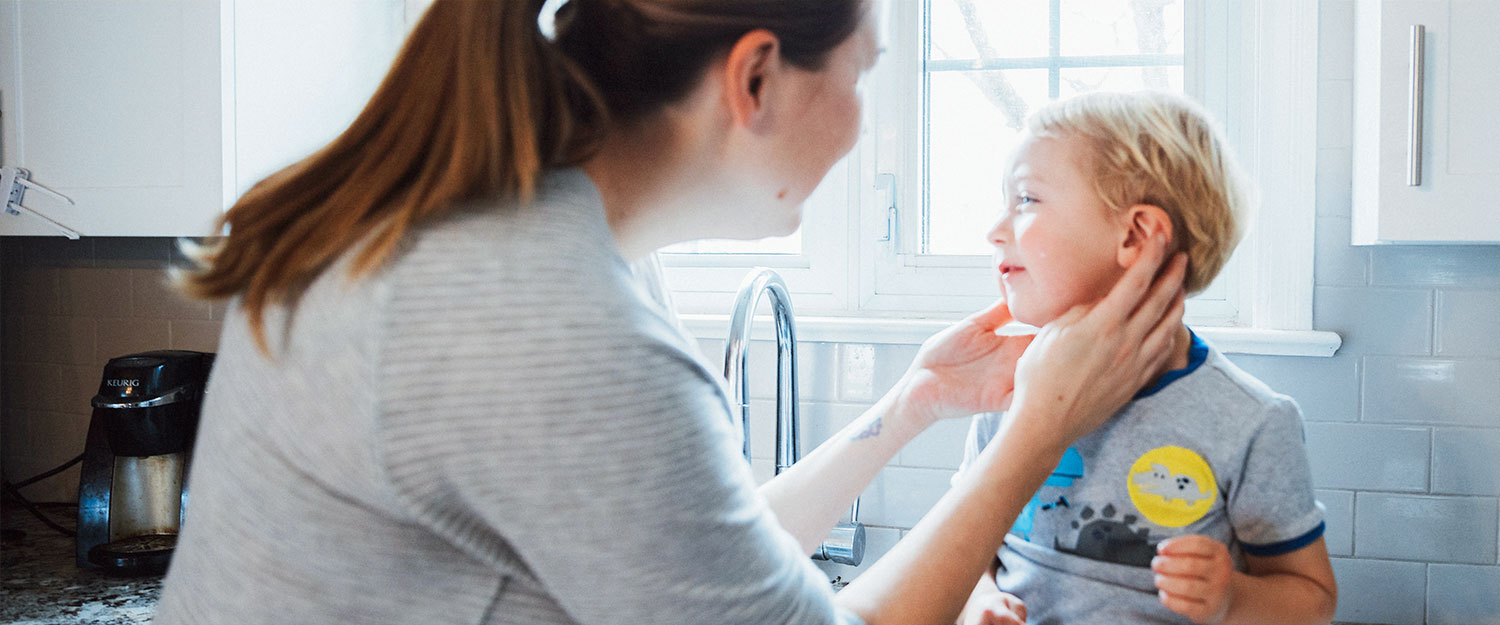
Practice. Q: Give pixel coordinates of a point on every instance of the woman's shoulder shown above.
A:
(499, 270)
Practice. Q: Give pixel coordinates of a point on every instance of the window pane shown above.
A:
(991, 62)
(972, 29)
(1085, 79)
(972, 123)
(1107, 27)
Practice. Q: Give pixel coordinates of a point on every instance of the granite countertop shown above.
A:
(41, 583)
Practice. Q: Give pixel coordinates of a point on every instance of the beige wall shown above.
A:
(68, 307)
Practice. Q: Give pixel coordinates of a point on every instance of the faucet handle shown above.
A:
(844, 545)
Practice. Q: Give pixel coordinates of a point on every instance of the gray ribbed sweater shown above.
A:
(497, 427)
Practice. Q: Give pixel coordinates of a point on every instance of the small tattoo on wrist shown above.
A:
(870, 431)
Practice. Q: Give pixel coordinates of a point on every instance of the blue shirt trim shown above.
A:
(1285, 546)
(1197, 353)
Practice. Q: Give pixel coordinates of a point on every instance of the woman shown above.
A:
(440, 396)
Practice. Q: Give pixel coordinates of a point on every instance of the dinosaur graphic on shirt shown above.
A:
(1160, 481)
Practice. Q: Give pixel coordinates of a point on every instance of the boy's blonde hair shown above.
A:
(1159, 149)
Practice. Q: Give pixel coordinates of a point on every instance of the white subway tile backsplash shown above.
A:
(1336, 40)
(1336, 262)
(900, 496)
(1338, 516)
(1376, 321)
(941, 446)
(1335, 191)
(1426, 528)
(1380, 591)
(1432, 390)
(1461, 594)
(819, 421)
(1326, 389)
(1368, 457)
(1468, 323)
(1462, 266)
(1466, 461)
(891, 362)
(1335, 113)
(816, 369)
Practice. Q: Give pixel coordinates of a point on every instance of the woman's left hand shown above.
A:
(965, 369)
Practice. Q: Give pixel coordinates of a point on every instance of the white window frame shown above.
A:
(850, 285)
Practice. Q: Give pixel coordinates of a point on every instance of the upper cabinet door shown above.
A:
(116, 105)
(1426, 173)
(303, 71)
(153, 116)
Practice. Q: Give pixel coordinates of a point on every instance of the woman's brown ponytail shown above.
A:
(477, 103)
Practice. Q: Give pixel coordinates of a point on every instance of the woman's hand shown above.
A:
(1085, 365)
(963, 370)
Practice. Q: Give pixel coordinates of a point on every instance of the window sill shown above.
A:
(890, 331)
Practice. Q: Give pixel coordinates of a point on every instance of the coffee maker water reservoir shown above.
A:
(132, 492)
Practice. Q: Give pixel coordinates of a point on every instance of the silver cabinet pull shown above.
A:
(1414, 122)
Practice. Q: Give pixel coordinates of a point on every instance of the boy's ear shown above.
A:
(1141, 222)
(748, 70)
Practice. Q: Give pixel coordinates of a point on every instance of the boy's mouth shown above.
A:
(1007, 269)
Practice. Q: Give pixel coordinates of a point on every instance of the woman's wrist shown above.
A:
(1038, 423)
(910, 407)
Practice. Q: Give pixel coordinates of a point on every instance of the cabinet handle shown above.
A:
(1414, 122)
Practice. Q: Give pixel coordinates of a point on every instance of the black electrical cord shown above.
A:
(14, 491)
(10, 489)
(32, 480)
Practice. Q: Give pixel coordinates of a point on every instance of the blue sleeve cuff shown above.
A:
(1285, 546)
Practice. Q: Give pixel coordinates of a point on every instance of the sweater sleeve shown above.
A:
(579, 445)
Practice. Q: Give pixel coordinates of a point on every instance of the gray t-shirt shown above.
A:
(1207, 450)
(498, 426)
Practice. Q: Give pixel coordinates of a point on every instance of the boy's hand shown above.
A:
(994, 608)
(1192, 577)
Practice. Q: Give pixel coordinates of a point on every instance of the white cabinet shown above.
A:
(154, 115)
(1428, 173)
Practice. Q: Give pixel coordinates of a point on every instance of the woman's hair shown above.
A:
(1160, 149)
(479, 104)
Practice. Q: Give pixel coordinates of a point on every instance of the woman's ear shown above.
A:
(1141, 222)
(747, 72)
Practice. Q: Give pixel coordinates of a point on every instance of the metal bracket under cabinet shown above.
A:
(14, 181)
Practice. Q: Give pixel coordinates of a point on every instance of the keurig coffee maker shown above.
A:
(132, 492)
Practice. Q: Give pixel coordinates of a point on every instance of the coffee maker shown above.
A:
(133, 487)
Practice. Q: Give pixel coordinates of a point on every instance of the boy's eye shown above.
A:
(1023, 200)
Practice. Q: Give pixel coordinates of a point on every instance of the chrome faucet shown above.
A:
(846, 545)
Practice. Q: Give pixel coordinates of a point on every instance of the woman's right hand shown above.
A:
(1086, 364)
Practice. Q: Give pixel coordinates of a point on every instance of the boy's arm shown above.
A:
(1004, 607)
(1196, 578)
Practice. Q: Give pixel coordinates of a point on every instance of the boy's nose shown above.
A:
(1000, 232)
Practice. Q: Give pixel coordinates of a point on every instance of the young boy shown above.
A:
(1194, 502)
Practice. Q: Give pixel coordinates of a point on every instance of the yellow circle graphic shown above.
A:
(1172, 486)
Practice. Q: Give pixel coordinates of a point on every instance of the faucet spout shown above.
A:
(847, 543)
(762, 280)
